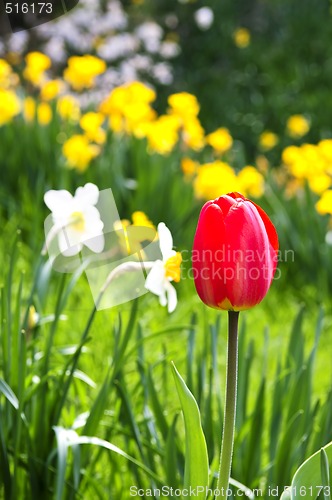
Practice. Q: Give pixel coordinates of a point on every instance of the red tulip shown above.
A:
(235, 253)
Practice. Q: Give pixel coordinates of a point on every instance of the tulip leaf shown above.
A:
(196, 459)
(312, 478)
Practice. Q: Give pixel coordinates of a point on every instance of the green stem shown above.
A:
(230, 405)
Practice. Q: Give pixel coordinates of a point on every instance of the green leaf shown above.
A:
(196, 460)
(312, 476)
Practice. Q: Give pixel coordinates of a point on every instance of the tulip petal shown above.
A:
(249, 265)
(207, 256)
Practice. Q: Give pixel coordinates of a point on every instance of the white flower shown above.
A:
(164, 271)
(204, 18)
(76, 219)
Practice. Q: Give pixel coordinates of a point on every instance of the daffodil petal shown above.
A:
(55, 200)
(88, 194)
(155, 281)
(69, 243)
(165, 241)
(172, 299)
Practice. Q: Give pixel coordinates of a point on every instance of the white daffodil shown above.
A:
(76, 219)
(164, 271)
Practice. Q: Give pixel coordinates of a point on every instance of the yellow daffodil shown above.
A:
(251, 182)
(68, 108)
(184, 105)
(91, 123)
(268, 140)
(129, 108)
(220, 140)
(241, 37)
(79, 152)
(297, 126)
(9, 106)
(189, 167)
(36, 65)
(193, 134)
(82, 71)
(29, 109)
(163, 134)
(51, 89)
(324, 205)
(44, 113)
(214, 179)
(6, 75)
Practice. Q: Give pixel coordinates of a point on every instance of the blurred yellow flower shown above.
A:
(44, 113)
(141, 219)
(163, 134)
(91, 123)
(51, 89)
(251, 182)
(131, 240)
(297, 126)
(184, 105)
(324, 205)
(9, 106)
(319, 183)
(6, 74)
(68, 108)
(268, 140)
(79, 152)
(193, 134)
(29, 109)
(215, 179)
(325, 148)
(221, 140)
(129, 108)
(241, 37)
(189, 167)
(36, 65)
(82, 71)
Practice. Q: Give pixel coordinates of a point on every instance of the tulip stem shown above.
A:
(230, 405)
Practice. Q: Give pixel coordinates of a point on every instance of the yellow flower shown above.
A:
(297, 126)
(29, 109)
(163, 134)
(51, 89)
(6, 74)
(189, 167)
(9, 106)
(184, 105)
(91, 123)
(79, 152)
(36, 65)
(68, 108)
(324, 205)
(83, 70)
(141, 219)
(241, 37)
(215, 179)
(268, 140)
(325, 148)
(319, 183)
(193, 134)
(251, 182)
(131, 239)
(129, 109)
(221, 140)
(44, 113)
